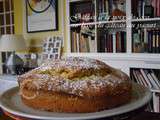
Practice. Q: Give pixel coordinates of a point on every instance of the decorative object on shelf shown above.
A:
(52, 48)
(118, 12)
(41, 15)
(12, 43)
(148, 9)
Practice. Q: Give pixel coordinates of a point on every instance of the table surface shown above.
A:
(7, 82)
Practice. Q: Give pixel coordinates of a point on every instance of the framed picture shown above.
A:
(41, 15)
(52, 48)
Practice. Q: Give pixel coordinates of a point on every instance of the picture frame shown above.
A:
(41, 15)
(52, 48)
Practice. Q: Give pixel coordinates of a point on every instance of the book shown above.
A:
(73, 43)
(140, 78)
(136, 42)
(150, 34)
(92, 44)
(159, 41)
(83, 45)
(106, 7)
(140, 8)
(154, 3)
(146, 78)
(77, 42)
(152, 81)
(156, 102)
(154, 42)
(155, 78)
(136, 78)
(123, 41)
(114, 42)
(145, 40)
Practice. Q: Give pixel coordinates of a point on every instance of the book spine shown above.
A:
(107, 7)
(91, 44)
(158, 8)
(159, 41)
(140, 79)
(153, 2)
(77, 41)
(122, 41)
(155, 78)
(155, 102)
(73, 44)
(106, 45)
(103, 6)
(145, 40)
(110, 6)
(114, 42)
(110, 43)
(125, 42)
(146, 78)
(150, 41)
(136, 78)
(139, 9)
(102, 43)
(142, 8)
(155, 86)
(117, 42)
(154, 42)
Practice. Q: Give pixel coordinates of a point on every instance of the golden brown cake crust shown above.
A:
(84, 78)
(59, 102)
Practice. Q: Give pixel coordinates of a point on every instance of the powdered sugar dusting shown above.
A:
(80, 87)
(72, 62)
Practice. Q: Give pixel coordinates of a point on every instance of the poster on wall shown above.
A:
(41, 15)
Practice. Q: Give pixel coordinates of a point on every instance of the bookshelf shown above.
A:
(128, 59)
(121, 60)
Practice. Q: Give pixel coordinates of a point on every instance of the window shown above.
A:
(6, 26)
(6, 17)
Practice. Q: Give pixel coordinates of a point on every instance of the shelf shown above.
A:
(78, 0)
(114, 21)
(99, 22)
(146, 19)
(82, 24)
(155, 91)
(122, 56)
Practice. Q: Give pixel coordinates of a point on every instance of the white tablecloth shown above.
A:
(7, 82)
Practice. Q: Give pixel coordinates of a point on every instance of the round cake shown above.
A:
(74, 84)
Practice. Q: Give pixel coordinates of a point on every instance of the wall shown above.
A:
(34, 40)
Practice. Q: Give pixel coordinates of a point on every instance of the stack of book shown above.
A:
(83, 40)
(146, 40)
(146, 8)
(114, 42)
(148, 78)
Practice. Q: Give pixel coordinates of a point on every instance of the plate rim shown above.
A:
(93, 115)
